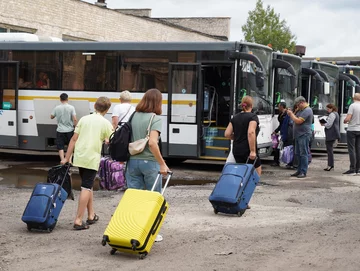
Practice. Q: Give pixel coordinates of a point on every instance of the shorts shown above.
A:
(87, 177)
(63, 139)
(243, 159)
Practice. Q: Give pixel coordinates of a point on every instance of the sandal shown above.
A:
(83, 226)
(93, 221)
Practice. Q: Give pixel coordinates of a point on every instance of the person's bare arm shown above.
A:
(252, 139)
(115, 121)
(70, 148)
(154, 148)
(229, 132)
(74, 120)
(347, 118)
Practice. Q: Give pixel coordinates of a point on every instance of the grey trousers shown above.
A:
(330, 152)
(353, 144)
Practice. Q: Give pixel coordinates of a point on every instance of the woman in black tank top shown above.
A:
(243, 130)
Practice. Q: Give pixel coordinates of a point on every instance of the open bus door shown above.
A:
(9, 74)
(183, 139)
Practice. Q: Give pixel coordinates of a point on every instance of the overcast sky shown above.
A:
(325, 27)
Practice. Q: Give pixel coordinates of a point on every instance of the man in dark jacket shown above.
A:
(281, 117)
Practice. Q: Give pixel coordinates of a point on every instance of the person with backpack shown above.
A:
(122, 111)
(143, 168)
(89, 134)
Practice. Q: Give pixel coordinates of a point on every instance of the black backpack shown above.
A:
(119, 141)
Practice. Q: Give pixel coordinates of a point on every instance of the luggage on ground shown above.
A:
(111, 174)
(137, 220)
(60, 175)
(234, 189)
(45, 204)
(287, 155)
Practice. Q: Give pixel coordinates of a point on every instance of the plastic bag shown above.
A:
(287, 154)
(275, 141)
(57, 174)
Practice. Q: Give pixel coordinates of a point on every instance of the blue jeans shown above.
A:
(302, 152)
(141, 174)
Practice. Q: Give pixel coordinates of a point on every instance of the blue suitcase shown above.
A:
(234, 189)
(44, 207)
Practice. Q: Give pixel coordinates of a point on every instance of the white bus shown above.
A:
(286, 81)
(319, 87)
(201, 83)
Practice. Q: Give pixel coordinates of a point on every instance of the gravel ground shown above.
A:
(293, 224)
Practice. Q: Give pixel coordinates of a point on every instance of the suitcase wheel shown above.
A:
(28, 227)
(143, 255)
(241, 212)
(215, 211)
(49, 230)
(112, 252)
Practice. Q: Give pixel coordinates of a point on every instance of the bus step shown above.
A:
(214, 151)
(213, 158)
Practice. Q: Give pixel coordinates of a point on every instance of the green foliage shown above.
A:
(264, 26)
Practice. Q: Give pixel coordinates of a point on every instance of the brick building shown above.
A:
(78, 20)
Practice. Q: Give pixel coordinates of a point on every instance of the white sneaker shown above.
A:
(158, 238)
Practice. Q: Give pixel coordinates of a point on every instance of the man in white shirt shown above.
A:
(353, 135)
(123, 111)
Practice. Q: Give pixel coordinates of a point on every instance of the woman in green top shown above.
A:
(143, 168)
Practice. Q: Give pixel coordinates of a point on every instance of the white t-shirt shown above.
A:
(354, 110)
(123, 111)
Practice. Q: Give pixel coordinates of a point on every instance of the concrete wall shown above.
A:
(136, 12)
(87, 21)
(219, 26)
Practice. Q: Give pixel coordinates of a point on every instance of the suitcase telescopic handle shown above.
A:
(68, 166)
(253, 169)
(159, 177)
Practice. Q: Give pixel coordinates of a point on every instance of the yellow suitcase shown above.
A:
(137, 220)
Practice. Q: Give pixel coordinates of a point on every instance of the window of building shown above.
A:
(15, 29)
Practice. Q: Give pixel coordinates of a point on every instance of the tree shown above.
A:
(264, 26)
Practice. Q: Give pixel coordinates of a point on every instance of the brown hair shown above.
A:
(151, 102)
(102, 104)
(332, 107)
(246, 102)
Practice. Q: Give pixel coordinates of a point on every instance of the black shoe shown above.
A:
(275, 164)
(295, 174)
(350, 172)
(329, 168)
(301, 176)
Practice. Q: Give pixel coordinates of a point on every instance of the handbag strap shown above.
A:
(125, 114)
(148, 128)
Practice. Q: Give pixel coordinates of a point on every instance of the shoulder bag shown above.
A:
(139, 145)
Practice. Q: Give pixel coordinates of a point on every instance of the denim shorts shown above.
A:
(141, 174)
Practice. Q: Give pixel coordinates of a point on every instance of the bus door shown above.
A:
(9, 74)
(183, 122)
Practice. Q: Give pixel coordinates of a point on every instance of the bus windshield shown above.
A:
(261, 96)
(318, 99)
(282, 84)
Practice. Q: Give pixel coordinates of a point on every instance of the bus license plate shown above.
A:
(262, 150)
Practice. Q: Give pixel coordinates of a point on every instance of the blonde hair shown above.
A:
(125, 96)
(246, 103)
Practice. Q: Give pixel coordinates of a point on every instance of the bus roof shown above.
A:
(127, 46)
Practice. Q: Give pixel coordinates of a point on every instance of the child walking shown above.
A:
(89, 134)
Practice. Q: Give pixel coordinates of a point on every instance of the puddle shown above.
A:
(20, 176)
(28, 178)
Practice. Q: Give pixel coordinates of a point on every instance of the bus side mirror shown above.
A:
(319, 86)
(292, 83)
(357, 89)
(259, 77)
